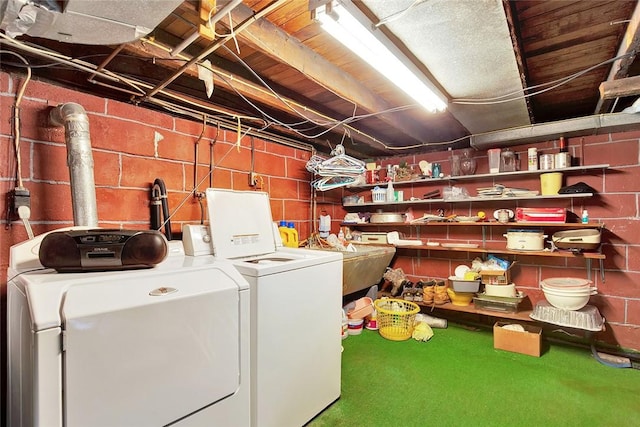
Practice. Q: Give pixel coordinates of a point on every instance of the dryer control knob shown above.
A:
(196, 240)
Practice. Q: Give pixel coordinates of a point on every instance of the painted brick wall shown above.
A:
(131, 148)
(616, 206)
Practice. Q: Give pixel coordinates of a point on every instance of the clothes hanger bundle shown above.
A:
(337, 171)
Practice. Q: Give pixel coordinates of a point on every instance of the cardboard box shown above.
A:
(497, 277)
(527, 342)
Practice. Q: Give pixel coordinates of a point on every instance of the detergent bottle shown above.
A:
(293, 236)
(284, 232)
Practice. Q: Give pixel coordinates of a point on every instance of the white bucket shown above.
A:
(355, 326)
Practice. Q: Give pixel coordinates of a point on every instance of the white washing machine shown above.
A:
(162, 346)
(296, 299)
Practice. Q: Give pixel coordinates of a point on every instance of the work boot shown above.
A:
(428, 292)
(440, 293)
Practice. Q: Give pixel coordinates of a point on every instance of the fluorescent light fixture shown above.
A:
(348, 30)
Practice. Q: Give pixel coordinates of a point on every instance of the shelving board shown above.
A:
(520, 315)
(485, 250)
(469, 199)
(475, 224)
(492, 176)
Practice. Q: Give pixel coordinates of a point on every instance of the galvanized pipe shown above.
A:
(79, 160)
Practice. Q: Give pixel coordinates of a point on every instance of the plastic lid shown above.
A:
(282, 224)
(290, 225)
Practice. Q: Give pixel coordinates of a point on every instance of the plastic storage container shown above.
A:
(379, 195)
(461, 285)
(587, 318)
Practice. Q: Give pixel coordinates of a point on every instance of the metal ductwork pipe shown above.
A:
(80, 161)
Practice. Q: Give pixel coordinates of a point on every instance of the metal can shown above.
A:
(562, 160)
(532, 159)
(546, 162)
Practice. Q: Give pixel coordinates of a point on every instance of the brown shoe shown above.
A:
(440, 293)
(428, 292)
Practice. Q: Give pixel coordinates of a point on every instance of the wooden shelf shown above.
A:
(471, 308)
(520, 315)
(476, 224)
(482, 250)
(468, 200)
(486, 176)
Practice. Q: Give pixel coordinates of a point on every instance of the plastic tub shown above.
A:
(550, 183)
(461, 285)
(508, 291)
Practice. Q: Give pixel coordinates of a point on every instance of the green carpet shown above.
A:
(458, 379)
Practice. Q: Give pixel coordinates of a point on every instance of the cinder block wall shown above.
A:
(617, 206)
(132, 146)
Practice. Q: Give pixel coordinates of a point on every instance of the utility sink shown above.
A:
(364, 268)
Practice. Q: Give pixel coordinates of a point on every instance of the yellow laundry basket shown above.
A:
(396, 318)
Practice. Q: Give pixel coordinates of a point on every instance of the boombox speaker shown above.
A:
(102, 250)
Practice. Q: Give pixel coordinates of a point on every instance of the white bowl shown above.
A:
(566, 283)
(570, 291)
(567, 301)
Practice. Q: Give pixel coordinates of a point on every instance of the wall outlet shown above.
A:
(253, 179)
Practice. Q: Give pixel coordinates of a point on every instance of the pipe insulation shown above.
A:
(79, 160)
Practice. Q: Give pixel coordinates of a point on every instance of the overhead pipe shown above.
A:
(581, 126)
(79, 160)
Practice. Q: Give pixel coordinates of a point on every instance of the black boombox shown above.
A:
(102, 249)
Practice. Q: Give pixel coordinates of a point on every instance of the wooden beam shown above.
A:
(618, 88)
(271, 40)
(620, 68)
(232, 83)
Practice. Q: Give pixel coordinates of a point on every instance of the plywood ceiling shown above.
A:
(282, 73)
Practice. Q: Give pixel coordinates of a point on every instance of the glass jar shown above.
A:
(455, 164)
(467, 163)
(507, 161)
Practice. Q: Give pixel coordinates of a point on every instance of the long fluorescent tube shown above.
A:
(349, 31)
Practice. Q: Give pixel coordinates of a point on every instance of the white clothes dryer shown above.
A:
(155, 347)
(296, 299)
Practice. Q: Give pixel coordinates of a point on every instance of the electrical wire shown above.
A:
(28, 271)
(190, 193)
(329, 125)
(552, 85)
(397, 15)
(16, 115)
(332, 124)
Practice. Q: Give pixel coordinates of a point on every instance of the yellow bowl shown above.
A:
(460, 298)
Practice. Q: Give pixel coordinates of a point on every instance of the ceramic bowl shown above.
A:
(460, 298)
(574, 300)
